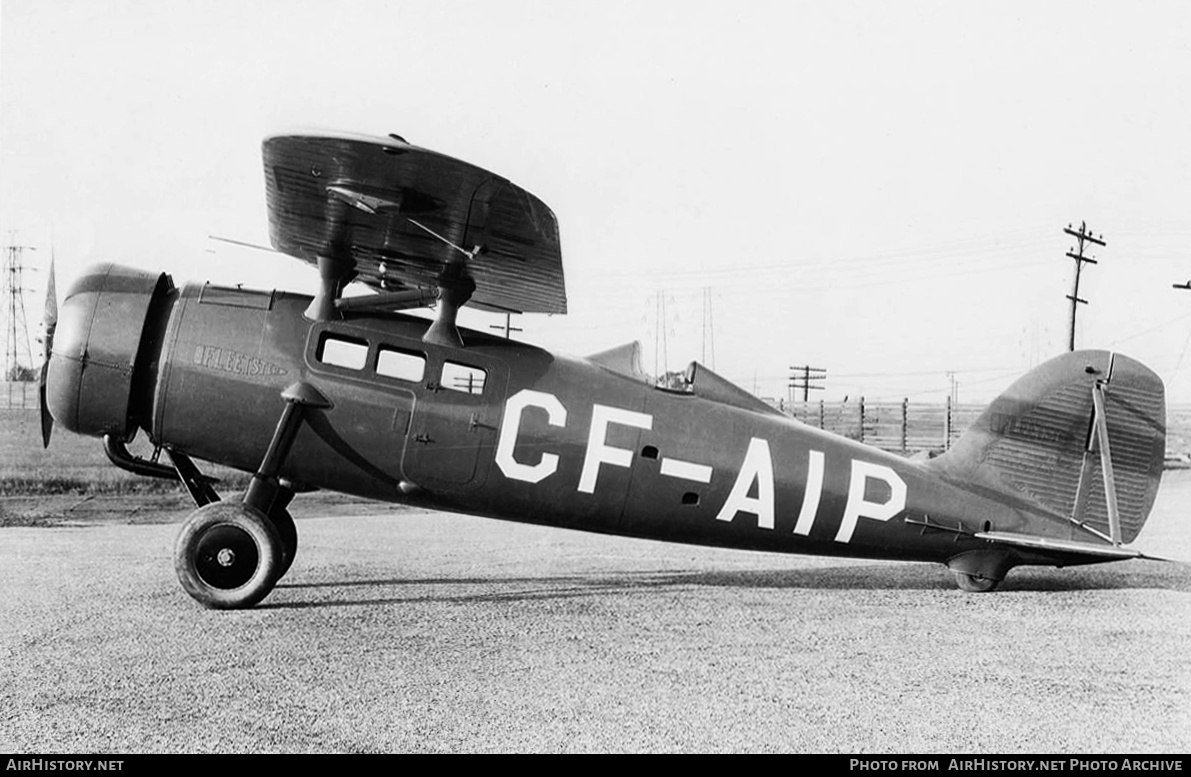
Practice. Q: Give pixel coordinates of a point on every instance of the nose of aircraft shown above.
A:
(99, 380)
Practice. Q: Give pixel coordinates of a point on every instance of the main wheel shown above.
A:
(286, 530)
(228, 555)
(974, 583)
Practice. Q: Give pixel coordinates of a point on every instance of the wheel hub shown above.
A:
(226, 557)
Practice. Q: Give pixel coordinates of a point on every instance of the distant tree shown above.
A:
(19, 373)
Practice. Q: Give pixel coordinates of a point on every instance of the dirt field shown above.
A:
(431, 632)
(402, 631)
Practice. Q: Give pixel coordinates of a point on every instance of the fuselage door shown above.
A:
(452, 436)
(372, 383)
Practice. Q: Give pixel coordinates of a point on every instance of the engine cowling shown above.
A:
(106, 348)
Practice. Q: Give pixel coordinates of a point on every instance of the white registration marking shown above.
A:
(814, 490)
(687, 470)
(599, 451)
(758, 468)
(858, 507)
(515, 407)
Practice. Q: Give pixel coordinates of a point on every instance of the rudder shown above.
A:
(1038, 440)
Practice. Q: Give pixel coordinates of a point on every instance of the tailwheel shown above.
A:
(975, 583)
(228, 555)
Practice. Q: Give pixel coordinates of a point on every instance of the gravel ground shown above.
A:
(429, 632)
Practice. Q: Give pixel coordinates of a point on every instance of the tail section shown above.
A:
(1043, 440)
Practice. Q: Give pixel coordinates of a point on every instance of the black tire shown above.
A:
(228, 555)
(286, 530)
(974, 583)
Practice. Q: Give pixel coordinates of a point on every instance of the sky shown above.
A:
(875, 189)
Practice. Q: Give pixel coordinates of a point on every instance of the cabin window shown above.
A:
(464, 378)
(402, 365)
(343, 352)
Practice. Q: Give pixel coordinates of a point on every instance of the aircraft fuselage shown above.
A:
(508, 430)
(341, 394)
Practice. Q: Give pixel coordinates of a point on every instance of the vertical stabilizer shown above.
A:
(1041, 440)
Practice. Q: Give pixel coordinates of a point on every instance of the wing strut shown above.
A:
(1098, 434)
(455, 288)
(333, 275)
(455, 285)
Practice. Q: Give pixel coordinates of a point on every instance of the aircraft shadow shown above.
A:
(911, 577)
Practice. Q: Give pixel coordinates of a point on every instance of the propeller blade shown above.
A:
(50, 318)
(47, 420)
(49, 323)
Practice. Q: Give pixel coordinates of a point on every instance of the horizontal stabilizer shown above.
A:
(1108, 552)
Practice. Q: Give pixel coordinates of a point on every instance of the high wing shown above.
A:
(397, 217)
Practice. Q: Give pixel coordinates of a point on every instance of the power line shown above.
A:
(1155, 327)
(968, 249)
(796, 284)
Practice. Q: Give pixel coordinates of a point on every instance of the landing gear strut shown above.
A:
(231, 553)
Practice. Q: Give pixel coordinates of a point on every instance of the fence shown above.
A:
(18, 394)
(894, 426)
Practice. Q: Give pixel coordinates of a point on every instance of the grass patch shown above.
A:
(57, 485)
(78, 465)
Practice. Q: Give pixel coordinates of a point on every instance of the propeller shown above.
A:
(49, 323)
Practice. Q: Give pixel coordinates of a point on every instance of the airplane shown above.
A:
(354, 395)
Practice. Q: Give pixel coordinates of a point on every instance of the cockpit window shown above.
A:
(678, 382)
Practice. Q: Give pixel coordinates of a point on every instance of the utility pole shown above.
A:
(1185, 287)
(1082, 236)
(708, 329)
(507, 327)
(659, 336)
(801, 377)
(16, 331)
